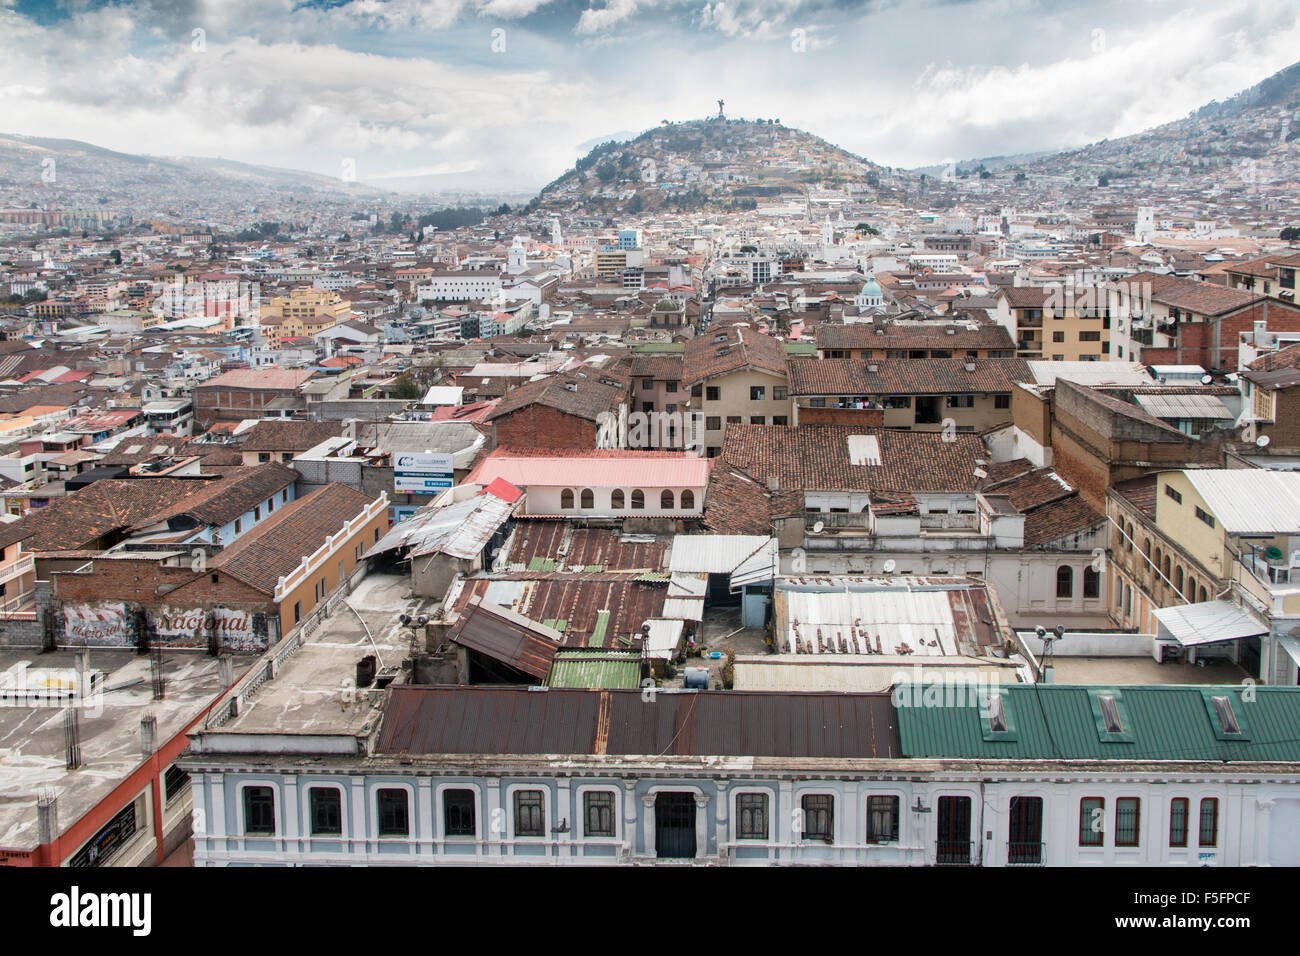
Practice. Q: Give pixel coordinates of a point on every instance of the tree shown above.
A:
(116, 256)
(406, 389)
(606, 171)
(1021, 177)
(635, 204)
(1103, 180)
(1290, 234)
(503, 209)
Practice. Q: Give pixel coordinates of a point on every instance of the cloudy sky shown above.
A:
(499, 94)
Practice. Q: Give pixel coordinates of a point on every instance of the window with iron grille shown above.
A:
(598, 813)
(259, 811)
(818, 816)
(175, 780)
(458, 813)
(1128, 814)
(1092, 821)
(326, 806)
(529, 814)
(752, 810)
(882, 819)
(394, 818)
(1210, 822)
(1178, 821)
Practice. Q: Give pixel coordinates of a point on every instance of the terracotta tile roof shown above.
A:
(259, 378)
(277, 544)
(1140, 493)
(812, 376)
(288, 436)
(235, 493)
(892, 335)
(1205, 298)
(581, 394)
(1070, 516)
(1283, 358)
(822, 458)
(101, 508)
(723, 349)
(660, 367)
(736, 503)
(1024, 296)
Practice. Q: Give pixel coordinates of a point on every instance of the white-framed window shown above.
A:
(529, 808)
(751, 813)
(601, 810)
(325, 810)
(458, 808)
(258, 808)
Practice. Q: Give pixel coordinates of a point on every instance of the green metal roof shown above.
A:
(607, 670)
(801, 348)
(597, 638)
(1060, 722)
(660, 347)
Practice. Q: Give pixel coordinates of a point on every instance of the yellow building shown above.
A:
(1047, 324)
(1211, 557)
(302, 312)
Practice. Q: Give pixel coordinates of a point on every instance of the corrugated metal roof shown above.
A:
(507, 720)
(608, 670)
(1250, 500)
(837, 615)
(461, 529)
(1183, 406)
(1209, 622)
(1089, 373)
(713, 553)
(804, 673)
(507, 637)
(1055, 721)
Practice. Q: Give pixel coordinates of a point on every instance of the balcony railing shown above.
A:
(1025, 854)
(954, 853)
(950, 522)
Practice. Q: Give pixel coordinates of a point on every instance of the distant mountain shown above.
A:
(711, 165)
(1252, 137)
(68, 171)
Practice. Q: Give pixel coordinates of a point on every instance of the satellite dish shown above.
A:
(1207, 379)
(818, 527)
(1262, 441)
(889, 566)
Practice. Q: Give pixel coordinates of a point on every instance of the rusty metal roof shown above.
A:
(510, 720)
(507, 637)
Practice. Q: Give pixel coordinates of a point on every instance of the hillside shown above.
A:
(73, 173)
(711, 165)
(1252, 137)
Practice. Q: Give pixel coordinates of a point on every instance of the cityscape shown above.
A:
(746, 488)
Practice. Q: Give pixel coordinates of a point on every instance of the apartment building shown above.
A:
(735, 375)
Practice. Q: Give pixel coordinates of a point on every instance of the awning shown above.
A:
(1292, 646)
(1209, 623)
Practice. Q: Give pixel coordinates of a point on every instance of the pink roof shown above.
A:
(73, 376)
(283, 378)
(667, 471)
(503, 490)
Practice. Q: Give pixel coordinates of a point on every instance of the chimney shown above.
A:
(47, 815)
(148, 735)
(1261, 326)
(226, 670)
(81, 659)
(773, 484)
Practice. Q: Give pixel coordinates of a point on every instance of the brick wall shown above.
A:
(1214, 344)
(864, 417)
(538, 426)
(1284, 431)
